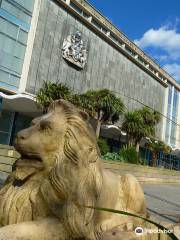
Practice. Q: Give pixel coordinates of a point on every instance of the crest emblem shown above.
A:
(74, 51)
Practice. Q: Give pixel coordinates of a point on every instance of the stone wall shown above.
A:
(7, 157)
(106, 67)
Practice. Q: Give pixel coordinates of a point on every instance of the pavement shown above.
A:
(163, 201)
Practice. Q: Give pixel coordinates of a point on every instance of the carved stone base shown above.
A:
(70, 59)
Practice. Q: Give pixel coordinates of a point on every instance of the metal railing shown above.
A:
(168, 161)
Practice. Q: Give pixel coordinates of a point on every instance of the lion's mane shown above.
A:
(76, 177)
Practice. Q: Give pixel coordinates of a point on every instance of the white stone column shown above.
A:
(171, 112)
(165, 111)
(30, 43)
(178, 122)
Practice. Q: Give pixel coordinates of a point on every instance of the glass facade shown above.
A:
(15, 19)
(10, 124)
(171, 126)
(6, 122)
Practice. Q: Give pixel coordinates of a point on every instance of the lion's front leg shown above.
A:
(46, 229)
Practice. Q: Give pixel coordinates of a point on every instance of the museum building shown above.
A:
(71, 42)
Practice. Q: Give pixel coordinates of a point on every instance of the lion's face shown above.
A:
(64, 127)
(44, 137)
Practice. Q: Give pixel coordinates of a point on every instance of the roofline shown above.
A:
(138, 56)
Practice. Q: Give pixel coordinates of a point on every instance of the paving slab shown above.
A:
(163, 201)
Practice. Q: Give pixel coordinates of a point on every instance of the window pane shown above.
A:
(6, 59)
(22, 37)
(3, 25)
(20, 123)
(25, 17)
(12, 30)
(4, 76)
(5, 121)
(14, 80)
(15, 11)
(19, 50)
(9, 45)
(4, 138)
(5, 126)
(17, 65)
(2, 37)
(10, 8)
(28, 4)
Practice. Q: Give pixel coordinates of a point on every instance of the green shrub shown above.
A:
(113, 157)
(103, 146)
(130, 155)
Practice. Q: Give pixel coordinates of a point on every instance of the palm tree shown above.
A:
(133, 126)
(156, 147)
(50, 92)
(139, 124)
(103, 105)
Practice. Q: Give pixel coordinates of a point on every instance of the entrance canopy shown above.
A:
(22, 103)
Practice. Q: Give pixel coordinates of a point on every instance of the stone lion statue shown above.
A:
(59, 174)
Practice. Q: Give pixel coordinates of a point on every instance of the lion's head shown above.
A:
(65, 142)
(51, 135)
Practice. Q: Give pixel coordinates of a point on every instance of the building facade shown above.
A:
(71, 42)
(15, 23)
(15, 28)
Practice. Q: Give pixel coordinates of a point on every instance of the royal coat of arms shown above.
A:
(74, 51)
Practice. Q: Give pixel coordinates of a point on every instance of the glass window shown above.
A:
(4, 76)
(75, 7)
(10, 8)
(26, 4)
(12, 47)
(21, 122)
(175, 100)
(3, 25)
(6, 59)
(19, 50)
(15, 11)
(4, 138)
(22, 37)
(5, 126)
(17, 65)
(2, 37)
(5, 119)
(86, 15)
(12, 30)
(95, 23)
(25, 17)
(9, 45)
(170, 94)
(11, 18)
(14, 80)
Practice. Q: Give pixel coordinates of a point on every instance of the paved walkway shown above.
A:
(163, 201)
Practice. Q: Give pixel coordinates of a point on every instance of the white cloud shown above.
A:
(164, 38)
(174, 70)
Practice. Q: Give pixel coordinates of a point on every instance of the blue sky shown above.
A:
(153, 25)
